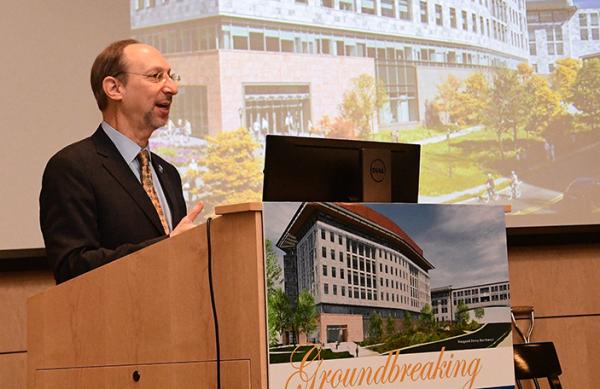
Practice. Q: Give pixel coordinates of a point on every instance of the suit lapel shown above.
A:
(116, 166)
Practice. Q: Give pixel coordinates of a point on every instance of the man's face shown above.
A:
(146, 101)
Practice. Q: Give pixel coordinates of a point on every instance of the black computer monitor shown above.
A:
(318, 169)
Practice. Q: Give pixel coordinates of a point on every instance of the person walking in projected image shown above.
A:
(490, 187)
(108, 195)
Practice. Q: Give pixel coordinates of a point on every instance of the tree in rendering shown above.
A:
(475, 98)
(279, 314)
(563, 77)
(426, 318)
(337, 127)
(448, 100)
(361, 103)
(506, 106)
(479, 313)
(543, 104)
(305, 313)
(233, 172)
(278, 306)
(407, 322)
(375, 326)
(390, 326)
(586, 93)
(462, 315)
(273, 269)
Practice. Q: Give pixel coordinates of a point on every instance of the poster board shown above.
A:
(387, 295)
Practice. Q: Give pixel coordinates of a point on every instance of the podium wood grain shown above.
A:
(151, 310)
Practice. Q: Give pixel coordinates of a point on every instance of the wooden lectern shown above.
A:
(145, 320)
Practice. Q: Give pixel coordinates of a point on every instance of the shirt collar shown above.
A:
(127, 148)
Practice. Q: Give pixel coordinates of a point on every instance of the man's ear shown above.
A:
(113, 88)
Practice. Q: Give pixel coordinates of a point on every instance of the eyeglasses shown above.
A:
(157, 77)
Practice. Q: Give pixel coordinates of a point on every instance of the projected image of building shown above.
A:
(281, 66)
(559, 29)
(354, 261)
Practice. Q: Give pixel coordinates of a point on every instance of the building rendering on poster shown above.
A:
(378, 295)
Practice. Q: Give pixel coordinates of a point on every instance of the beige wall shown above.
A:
(47, 50)
(15, 289)
(561, 283)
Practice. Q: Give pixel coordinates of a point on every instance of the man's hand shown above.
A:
(188, 221)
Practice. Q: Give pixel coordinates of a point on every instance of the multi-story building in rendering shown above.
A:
(284, 65)
(445, 300)
(558, 29)
(354, 261)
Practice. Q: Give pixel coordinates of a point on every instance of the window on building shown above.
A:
(452, 17)
(423, 10)
(327, 3)
(474, 22)
(340, 239)
(272, 44)
(404, 9)
(332, 253)
(341, 256)
(333, 272)
(240, 42)
(546, 16)
(326, 288)
(387, 8)
(368, 7)
(287, 45)
(346, 5)
(324, 252)
(583, 24)
(342, 274)
(439, 17)
(465, 21)
(343, 291)
(257, 41)
(331, 236)
(269, 107)
(325, 270)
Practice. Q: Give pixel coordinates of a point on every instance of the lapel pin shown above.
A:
(160, 168)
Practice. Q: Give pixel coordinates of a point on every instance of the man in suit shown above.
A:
(107, 196)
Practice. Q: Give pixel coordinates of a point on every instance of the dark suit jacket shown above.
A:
(93, 209)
